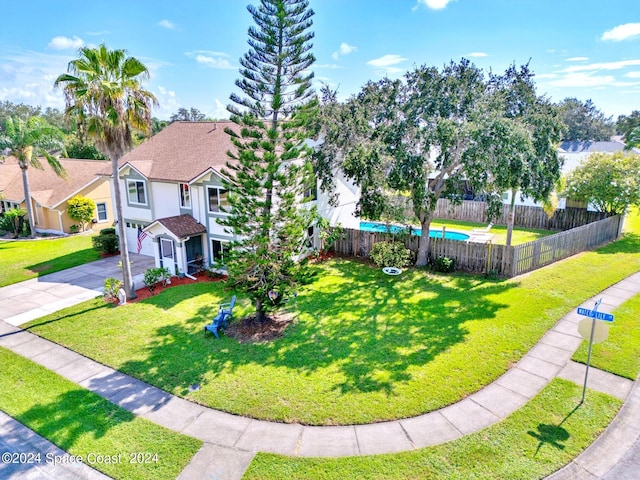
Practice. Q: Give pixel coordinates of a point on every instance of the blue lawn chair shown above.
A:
(220, 321)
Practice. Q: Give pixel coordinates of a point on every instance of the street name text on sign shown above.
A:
(607, 317)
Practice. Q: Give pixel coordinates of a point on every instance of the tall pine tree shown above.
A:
(267, 177)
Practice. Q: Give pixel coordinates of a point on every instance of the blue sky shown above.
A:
(588, 49)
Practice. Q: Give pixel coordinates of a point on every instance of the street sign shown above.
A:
(600, 330)
(607, 317)
(594, 332)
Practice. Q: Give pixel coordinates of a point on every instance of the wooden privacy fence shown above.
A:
(490, 258)
(525, 216)
(533, 255)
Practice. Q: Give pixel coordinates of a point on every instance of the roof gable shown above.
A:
(182, 151)
(591, 147)
(46, 187)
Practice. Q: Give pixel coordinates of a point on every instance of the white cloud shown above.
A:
(435, 4)
(167, 24)
(622, 32)
(332, 66)
(211, 59)
(98, 33)
(385, 65)
(633, 75)
(168, 102)
(602, 66)
(586, 80)
(477, 54)
(345, 49)
(386, 61)
(27, 77)
(219, 111)
(65, 43)
(577, 59)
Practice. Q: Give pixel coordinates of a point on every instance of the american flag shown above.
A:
(141, 236)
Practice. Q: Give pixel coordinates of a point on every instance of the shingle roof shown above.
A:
(182, 225)
(182, 151)
(46, 187)
(591, 147)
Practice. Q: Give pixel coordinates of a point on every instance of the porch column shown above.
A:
(181, 257)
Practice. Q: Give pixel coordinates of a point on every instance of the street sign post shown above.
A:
(602, 332)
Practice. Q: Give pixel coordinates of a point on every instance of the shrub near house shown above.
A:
(81, 209)
(106, 242)
(13, 221)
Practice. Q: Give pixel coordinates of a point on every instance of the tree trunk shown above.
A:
(261, 315)
(27, 199)
(127, 278)
(424, 242)
(512, 216)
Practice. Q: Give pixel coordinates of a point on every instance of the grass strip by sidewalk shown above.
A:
(620, 352)
(25, 259)
(535, 441)
(83, 423)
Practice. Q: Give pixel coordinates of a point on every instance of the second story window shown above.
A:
(218, 197)
(310, 192)
(136, 191)
(185, 195)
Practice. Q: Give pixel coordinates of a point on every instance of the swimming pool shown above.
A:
(433, 233)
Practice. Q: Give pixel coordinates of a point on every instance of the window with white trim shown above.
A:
(218, 198)
(218, 249)
(101, 208)
(185, 195)
(137, 193)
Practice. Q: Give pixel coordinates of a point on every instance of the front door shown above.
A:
(168, 255)
(193, 248)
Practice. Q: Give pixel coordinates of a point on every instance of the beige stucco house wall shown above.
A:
(50, 194)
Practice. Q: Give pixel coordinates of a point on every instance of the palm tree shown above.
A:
(102, 89)
(26, 141)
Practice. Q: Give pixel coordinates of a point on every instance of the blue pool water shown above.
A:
(433, 233)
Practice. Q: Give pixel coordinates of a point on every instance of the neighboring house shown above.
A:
(50, 193)
(572, 153)
(172, 195)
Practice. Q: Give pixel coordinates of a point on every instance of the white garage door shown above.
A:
(146, 243)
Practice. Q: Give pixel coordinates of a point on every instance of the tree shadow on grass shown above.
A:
(73, 415)
(629, 243)
(373, 330)
(552, 435)
(62, 262)
(57, 318)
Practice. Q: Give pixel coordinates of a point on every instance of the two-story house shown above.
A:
(173, 194)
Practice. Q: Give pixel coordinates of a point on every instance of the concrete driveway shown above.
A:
(25, 301)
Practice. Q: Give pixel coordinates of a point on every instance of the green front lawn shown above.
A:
(82, 423)
(25, 259)
(364, 347)
(532, 443)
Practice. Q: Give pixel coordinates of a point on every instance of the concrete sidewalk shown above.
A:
(231, 441)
